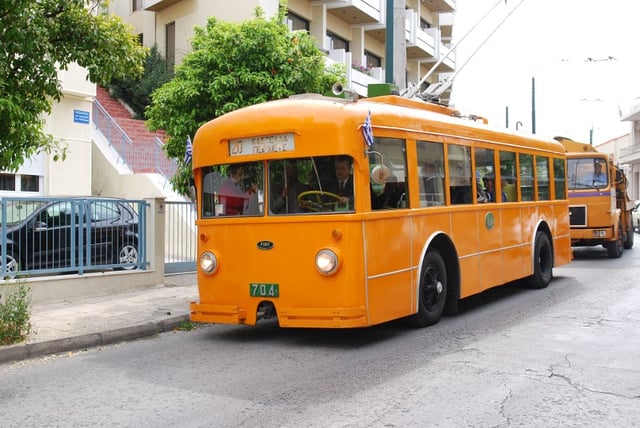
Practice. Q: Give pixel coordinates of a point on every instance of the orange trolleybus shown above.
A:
(326, 212)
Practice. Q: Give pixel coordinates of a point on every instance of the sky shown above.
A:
(583, 54)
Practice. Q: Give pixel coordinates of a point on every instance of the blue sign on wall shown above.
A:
(81, 116)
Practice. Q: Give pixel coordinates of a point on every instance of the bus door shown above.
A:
(388, 232)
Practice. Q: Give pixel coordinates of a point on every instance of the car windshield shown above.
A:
(18, 211)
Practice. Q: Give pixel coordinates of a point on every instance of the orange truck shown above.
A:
(599, 206)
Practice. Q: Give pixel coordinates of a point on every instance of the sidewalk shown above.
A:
(74, 325)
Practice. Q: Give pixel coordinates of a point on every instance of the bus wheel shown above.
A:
(433, 291)
(542, 262)
(616, 247)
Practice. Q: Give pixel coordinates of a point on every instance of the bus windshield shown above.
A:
(309, 185)
(587, 173)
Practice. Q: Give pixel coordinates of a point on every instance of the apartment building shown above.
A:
(69, 123)
(629, 153)
(351, 32)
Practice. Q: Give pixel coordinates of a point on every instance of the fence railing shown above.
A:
(180, 237)
(47, 235)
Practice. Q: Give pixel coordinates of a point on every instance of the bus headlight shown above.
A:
(327, 261)
(208, 262)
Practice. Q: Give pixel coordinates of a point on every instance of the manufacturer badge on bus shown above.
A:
(265, 245)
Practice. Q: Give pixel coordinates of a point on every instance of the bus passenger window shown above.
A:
(485, 176)
(526, 177)
(542, 172)
(430, 174)
(392, 194)
(508, 176)
(459, 159)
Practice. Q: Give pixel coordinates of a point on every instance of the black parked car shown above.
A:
(66, 234)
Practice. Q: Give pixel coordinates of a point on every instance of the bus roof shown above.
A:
(330, 116)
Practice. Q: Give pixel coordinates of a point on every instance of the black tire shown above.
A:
(126, 253)
(628, 243)
(542, 262)
(432, 293)
(615, 248)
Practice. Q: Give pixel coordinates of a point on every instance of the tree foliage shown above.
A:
(232, 66)
(37, 38)
(136, 91)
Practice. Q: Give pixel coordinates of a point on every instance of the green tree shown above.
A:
(232, 66)
(136, 91)
(37, 38)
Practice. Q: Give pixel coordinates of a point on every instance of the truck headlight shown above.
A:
(327, 261)
(208, 262)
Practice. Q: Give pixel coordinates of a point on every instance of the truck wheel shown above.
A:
(542, 262)
(616, 247)
(628, 243)
(433, 290)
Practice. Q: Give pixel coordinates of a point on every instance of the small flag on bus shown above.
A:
(188, 151)
(367, 131)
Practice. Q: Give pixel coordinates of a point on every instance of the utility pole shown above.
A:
(388, 60)
(533, 105)
(395, 63)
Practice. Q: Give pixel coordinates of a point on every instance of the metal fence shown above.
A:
(45, 235)
(180, 237)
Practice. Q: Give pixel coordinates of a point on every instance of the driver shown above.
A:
(344, 180)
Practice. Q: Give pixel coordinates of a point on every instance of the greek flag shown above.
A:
(367, 131)
(188, 151)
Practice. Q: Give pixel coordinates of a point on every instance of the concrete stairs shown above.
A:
(144, 154)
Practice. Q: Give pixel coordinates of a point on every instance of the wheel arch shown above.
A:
(442, 243)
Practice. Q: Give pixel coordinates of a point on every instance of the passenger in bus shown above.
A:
(343, 185)
(488, 193)
(233, 196)
(509, 189)
(286, 198)
(391, 195)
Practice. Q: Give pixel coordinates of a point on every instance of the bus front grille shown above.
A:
(578, 215)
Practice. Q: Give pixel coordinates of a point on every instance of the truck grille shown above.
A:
(578, 215)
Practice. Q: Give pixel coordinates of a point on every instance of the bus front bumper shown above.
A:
(287, 317)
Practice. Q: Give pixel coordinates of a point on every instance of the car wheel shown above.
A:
(13, 263)
(126, 253)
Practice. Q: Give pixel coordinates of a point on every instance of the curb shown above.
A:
(24, 351)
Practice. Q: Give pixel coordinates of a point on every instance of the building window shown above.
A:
(372, 60)
(171, 44)
(296, 22)
(424, 24)
(8, 182)
(337, 42)
(137, 5)
(29, 183)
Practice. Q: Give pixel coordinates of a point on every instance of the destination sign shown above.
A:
(262, 144)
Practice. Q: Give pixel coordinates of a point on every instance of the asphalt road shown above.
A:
(565, 356)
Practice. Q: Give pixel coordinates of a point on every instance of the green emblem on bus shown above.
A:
(489, 221)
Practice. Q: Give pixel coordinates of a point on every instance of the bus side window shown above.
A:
(459, 161)
(393, 194)
(430, 173)
(508, 176)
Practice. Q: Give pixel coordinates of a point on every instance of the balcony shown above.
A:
(157, 5)
(630, 154)
(445, 22)
(440, 5)
(357, 80)
(355, 12)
